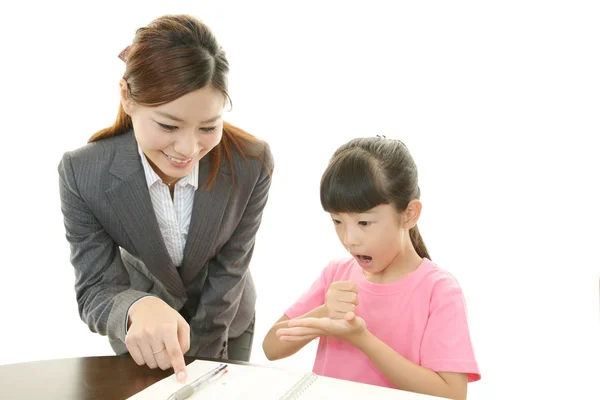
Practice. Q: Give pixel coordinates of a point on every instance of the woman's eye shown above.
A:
(336, 222)
(168, 128)
(208, 129)
(364, 223)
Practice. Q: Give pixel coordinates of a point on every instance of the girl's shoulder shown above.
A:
(439, 281)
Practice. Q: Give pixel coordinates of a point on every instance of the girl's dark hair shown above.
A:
(367, 172)
(170, 57)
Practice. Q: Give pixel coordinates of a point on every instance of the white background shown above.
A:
(498, 104)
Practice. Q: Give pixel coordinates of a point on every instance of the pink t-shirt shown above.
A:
(422, 317)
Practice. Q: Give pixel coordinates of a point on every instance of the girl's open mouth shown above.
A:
(363, 258)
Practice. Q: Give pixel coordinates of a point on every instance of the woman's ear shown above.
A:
(124, 94)
(412, 214)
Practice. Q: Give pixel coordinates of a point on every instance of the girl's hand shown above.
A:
(305, 328)
(158, 336)
(341, 300)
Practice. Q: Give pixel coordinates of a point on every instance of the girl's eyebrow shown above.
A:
(371, 211)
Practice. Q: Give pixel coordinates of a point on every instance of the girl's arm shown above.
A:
(275, 349)
(408, 376)
(402, 373)
(445, 345)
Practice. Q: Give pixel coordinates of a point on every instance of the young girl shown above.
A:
(387, 315)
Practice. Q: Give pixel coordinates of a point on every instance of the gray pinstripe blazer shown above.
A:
(119, 255)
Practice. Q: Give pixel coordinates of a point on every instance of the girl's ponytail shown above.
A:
(418, 243)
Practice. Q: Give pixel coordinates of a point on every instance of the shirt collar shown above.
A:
(152, 177)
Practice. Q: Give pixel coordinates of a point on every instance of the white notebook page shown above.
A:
(240, 382)
(268, 383)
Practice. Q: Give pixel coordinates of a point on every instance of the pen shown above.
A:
(205, 379)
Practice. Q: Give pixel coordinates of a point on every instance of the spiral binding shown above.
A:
(300, 387)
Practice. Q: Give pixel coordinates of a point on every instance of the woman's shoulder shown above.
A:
(96, 156)
(257, 152)
(99, 150)
(253, 163)
(245, 146)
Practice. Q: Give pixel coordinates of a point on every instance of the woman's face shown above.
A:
(176, 135)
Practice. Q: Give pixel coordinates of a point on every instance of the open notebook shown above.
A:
(269, 383)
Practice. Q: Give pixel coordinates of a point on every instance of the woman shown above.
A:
(161, 209)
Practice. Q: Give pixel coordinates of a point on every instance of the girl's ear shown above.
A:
(412, 214)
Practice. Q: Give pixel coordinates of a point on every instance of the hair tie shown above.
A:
(123, 54)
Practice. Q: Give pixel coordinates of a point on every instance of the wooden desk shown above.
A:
(86, 378)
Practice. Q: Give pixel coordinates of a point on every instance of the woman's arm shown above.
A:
(101, 281)
(275, 349)
(227, 271)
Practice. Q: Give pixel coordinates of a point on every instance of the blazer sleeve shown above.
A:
(102, 285)
(227, 272)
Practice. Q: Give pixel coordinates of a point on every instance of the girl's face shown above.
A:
(176, 135)
(377, 238)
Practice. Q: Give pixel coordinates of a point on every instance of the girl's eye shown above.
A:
(336, 222)
(364, 223)
(168, 128)
(207, 130)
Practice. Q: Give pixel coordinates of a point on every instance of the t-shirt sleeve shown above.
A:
(446, 345)
(312, 298)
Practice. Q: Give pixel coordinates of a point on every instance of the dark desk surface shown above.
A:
(86, 378)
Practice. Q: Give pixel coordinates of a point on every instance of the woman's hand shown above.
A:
(158, 336)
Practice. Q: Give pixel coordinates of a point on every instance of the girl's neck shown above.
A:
(405, 263)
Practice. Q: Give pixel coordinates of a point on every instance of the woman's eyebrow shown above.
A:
(175, 118)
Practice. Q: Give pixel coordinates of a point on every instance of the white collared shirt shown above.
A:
(173, 215)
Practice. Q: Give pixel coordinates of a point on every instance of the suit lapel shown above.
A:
(131, 202)
(207, 214)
